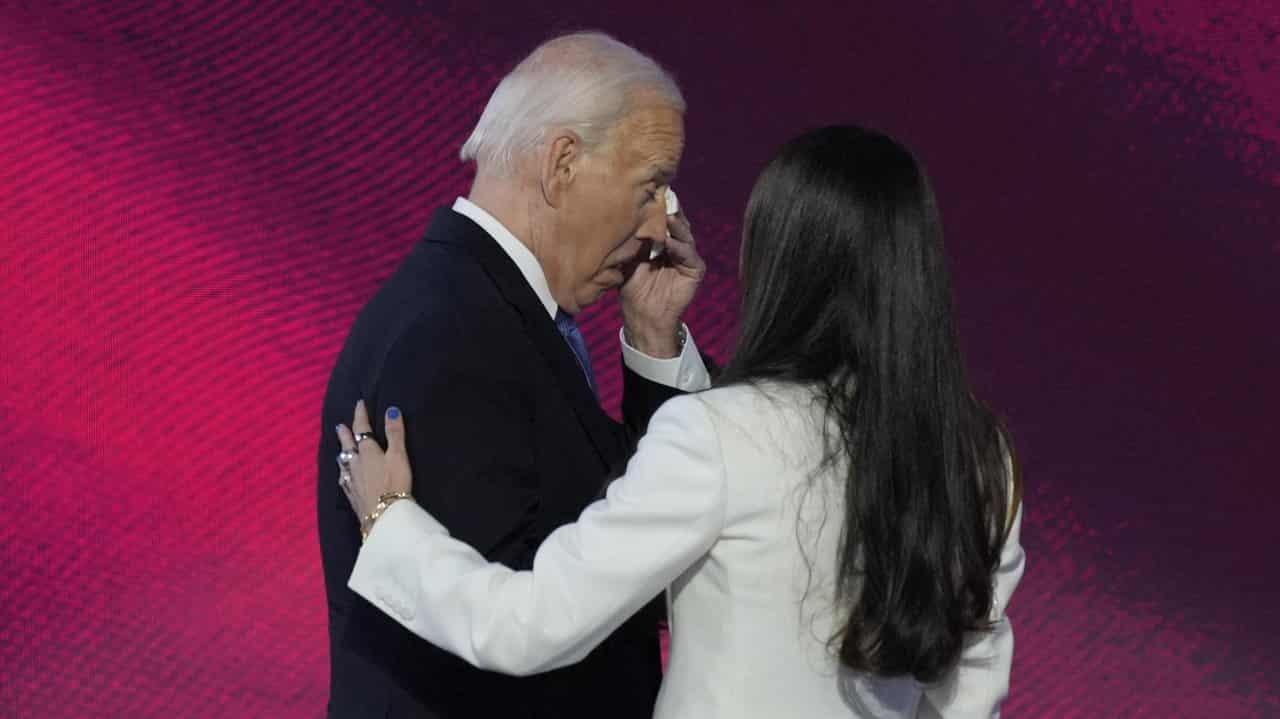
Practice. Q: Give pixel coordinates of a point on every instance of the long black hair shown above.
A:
(845, 287)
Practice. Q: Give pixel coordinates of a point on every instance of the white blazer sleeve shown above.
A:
(587, 577)
(980, 681)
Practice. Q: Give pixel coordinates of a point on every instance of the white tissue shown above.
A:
(673, 206)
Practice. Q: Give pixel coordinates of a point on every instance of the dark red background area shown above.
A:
(196, 198)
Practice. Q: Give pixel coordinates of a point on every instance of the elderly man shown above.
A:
(474, 337)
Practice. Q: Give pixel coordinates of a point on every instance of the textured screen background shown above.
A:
(196, 198)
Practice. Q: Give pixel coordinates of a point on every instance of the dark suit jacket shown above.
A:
(507, 443)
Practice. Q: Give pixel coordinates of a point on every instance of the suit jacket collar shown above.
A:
(521, 255)
(451, 228)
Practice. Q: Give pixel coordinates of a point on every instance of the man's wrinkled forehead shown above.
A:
(652, 137)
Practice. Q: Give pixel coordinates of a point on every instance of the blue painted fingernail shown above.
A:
(337, 428)
(393, 413)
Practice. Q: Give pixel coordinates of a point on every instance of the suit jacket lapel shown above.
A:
(452, 228)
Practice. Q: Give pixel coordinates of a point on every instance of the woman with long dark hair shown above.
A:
(837, 519)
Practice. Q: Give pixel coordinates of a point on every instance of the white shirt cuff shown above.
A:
(686, 372)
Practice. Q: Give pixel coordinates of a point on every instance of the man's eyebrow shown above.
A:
(662, 174)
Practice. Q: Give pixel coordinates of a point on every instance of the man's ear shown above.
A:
(560, 165)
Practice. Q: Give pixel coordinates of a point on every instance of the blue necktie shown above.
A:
(569, 328)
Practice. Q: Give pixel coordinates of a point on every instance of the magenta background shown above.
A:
(196, 198)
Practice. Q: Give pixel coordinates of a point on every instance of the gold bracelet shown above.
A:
(386, 500)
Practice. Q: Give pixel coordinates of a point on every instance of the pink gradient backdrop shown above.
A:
(196, 198)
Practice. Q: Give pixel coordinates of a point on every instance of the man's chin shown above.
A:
(611, 278)
(591, 295)
(600, 292)
(599, 286)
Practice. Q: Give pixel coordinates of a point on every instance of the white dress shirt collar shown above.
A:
(515, 249)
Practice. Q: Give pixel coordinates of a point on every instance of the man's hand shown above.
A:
(659, 290)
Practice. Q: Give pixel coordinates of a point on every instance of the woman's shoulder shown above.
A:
(770, 396)
(749, 409)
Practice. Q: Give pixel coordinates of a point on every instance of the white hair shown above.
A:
(582, 81)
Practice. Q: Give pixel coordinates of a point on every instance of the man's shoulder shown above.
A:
(439, 283)
(438, 308)
(456, 317)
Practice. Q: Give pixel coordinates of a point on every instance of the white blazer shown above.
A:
(725, 504)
